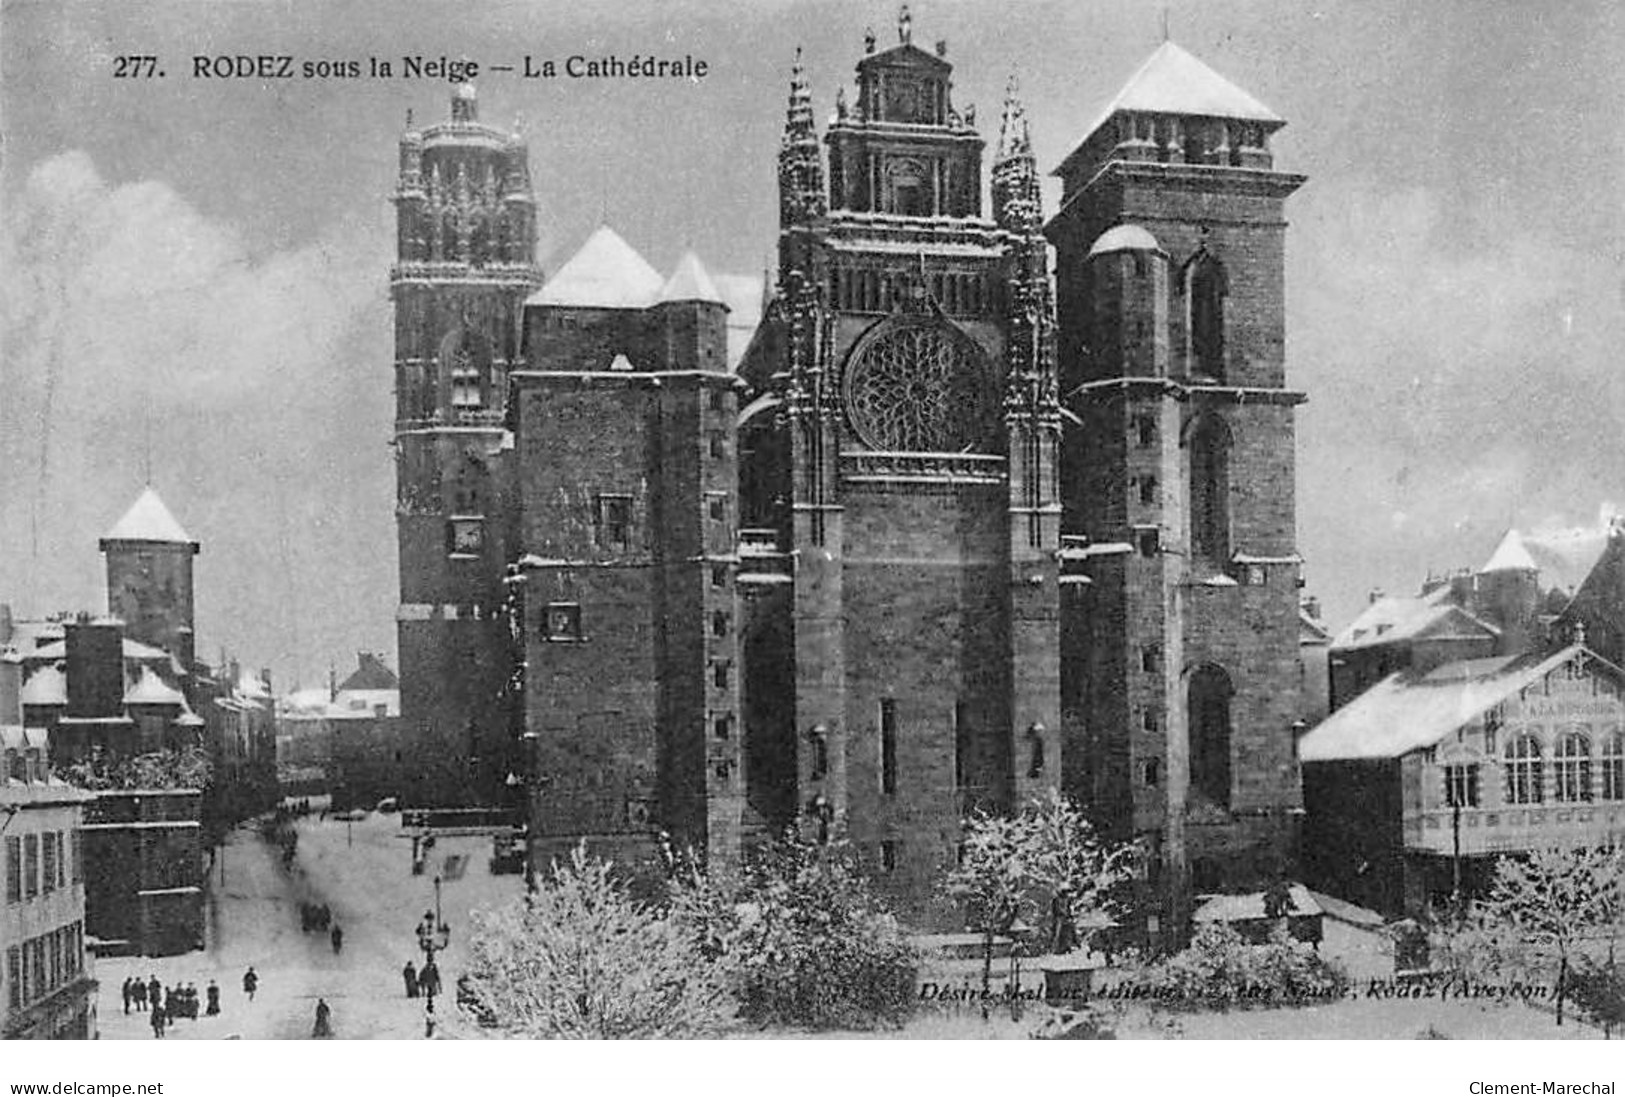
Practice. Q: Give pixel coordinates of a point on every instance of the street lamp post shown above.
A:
(433, 936)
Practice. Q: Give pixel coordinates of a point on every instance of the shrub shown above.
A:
(1220, 968)
(803, 941)
(579, 959)
(1598, 991)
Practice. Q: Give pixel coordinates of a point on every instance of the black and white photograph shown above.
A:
(816, 519)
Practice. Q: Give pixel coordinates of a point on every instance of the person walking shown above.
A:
(251, 982)
(157, 1020)
(128, 992)
(155, 992)
(324, 1016)
(214, 999)
(337, 937)
(409, 976)
(429, 979)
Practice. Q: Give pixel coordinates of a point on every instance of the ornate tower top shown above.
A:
(1016, 192)
(801, 177)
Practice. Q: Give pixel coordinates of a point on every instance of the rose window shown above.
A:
(920, 388)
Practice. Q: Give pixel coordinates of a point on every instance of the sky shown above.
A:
(193, 272)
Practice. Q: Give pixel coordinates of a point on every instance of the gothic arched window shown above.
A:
(1210, 491)
(465, 368)
(1523, 765)
(1209, 697)
(1206, 286)
(1572, 771)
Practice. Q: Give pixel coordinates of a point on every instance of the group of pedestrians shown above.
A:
(318, 918)
(424, 983)
(164, 1004)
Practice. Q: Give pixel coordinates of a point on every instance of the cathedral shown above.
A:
(952, 530)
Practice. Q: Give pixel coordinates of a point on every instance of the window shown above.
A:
(14, 870)
(716, 505)
(48, 880)
(1148, 720)
(1461, 786)
(614, 521)
(1210, 490)
(78, 857)
(1146, 427)
(561, 621)
(14, 766)
(888, 856)
(719, 675)
(722, 727)
(1613, 767)
(819, 738)
(465, 536)
(716, 398)
(1571, 771)
(30, 865)
(1209, 706)
(1148, 490)
(1150, 542)
(1151, 772)
(719, 576)
(1523, 771)
(1151, 658)
(888, 746)
(1256, 575)
(14, 976)
(1207, 292)
(719, 623)
(719, 444)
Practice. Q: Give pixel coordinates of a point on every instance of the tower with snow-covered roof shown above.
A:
(149, 577)
(624, 590)
(1179, 666)
(465, 262)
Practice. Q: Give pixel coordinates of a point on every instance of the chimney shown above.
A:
(11, 688)
(7, 629)
(95, 651)
(265, 679)
(332, 682)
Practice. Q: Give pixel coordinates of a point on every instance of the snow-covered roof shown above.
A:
(149, 520)
(46, 686)
(1124, 238)
(1510, 555)
(152, 690)
(1173, 81)
(607, 273)
(355, 703)
(1389, 620)
(134, 650)
(1566, 558)
(1406, 712)
(690, 282)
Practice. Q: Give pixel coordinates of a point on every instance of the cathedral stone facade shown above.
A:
(939, 540)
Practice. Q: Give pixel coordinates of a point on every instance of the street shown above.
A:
(362, 871)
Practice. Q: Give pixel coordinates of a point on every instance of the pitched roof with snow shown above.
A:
(149, 520)
(606, 273)
(1406, 712)
(1173, 81)
(46, 686)
(152, 690)
(1390, 620)
(690, 282)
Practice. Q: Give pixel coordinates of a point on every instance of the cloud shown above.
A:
(1455, 390)
(257, 378)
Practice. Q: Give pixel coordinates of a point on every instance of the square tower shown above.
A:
(1179, 665)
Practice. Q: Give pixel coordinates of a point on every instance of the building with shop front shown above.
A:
(47, 983)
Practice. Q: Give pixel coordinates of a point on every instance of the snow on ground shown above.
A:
(363, 871)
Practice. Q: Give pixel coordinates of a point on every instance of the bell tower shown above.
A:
(465, 262)
(1179, 666)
